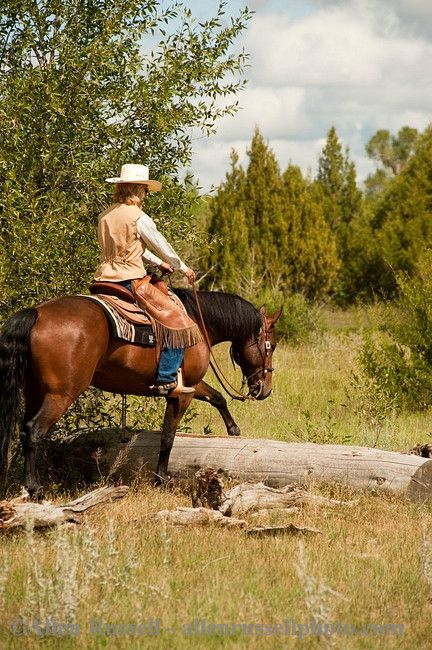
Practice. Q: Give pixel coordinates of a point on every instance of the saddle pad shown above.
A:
(139, 331)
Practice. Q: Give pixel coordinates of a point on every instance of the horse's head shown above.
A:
(254, 356)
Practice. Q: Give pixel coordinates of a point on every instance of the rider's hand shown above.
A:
(166, 268)
(190, 275)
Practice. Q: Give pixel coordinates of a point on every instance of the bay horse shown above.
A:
(56, 350)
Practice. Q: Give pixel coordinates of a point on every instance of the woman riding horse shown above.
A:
(124, 232)
(56, 350)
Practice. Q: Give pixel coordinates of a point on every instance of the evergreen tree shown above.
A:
(310, 257)
(264, 208)
(403, 217)
(330, 179)
(342, 204)
(229, 258)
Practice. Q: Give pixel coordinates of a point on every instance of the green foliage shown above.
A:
(330, 178)
(402, 217)
(308, 259)
(263, 202)
(299, 320)
(228, 231)
(323, 431)
(393, 152)
(342, 204)
(268, 229)
(85, 87)
(400, 364)
(97, 409)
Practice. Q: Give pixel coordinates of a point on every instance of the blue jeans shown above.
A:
(170, 361)
(170, 358)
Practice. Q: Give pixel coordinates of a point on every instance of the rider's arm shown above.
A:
(152, 259)
(147, 231)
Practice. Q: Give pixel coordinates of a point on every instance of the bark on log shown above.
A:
(272, 462)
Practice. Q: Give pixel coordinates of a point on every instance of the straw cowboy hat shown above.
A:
(136, 174)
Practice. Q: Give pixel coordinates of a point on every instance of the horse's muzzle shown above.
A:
(257, 391)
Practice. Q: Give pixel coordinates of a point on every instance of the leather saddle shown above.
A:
(112, 289)
(122, 300)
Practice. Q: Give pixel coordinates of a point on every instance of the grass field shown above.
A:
(371, 566)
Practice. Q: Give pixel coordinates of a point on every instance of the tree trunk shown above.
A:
(273, 462)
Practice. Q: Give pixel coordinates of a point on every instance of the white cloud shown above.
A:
(358, 65)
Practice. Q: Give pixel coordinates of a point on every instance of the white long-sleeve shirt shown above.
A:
(148, 232)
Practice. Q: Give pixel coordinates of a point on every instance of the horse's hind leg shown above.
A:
(52, 408)
(206, 393)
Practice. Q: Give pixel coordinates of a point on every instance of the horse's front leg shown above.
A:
(206, 393)
(175, 409)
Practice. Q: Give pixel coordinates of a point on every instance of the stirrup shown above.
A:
(172, 389)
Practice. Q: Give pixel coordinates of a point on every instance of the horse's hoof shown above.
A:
(234, 431)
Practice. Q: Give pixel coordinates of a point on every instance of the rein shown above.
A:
(236, 394)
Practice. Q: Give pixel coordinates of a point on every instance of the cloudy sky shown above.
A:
(360, 65)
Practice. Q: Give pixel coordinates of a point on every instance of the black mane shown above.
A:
(224, 313)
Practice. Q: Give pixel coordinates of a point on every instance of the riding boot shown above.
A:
(170, 378)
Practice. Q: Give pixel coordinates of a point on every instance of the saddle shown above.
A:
(122, 300)
(151, 303)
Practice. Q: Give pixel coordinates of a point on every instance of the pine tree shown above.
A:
(264, 207)
(310, 257)
(330, 179)
(342, 203)
(229, 258)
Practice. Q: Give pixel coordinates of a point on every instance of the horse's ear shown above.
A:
(262, 310)
(274, 317)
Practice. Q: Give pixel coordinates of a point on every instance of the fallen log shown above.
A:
(272, 462)
(183, 516)
(19, 512)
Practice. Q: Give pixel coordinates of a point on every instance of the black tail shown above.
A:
(14, 354)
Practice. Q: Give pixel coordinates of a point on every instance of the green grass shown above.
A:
(371, 564)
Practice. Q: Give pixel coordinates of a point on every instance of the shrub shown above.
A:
(400, 361)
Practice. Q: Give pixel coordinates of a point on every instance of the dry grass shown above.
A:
(370, 566)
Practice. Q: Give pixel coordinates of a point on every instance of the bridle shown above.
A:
(265, 358)
(237, 394)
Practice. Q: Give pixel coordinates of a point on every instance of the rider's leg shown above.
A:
(170, 361)
(166, 381)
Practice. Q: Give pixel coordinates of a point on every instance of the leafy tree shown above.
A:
(84, 87)
(392, 153)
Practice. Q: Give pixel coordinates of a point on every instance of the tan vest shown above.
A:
(121, 247)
